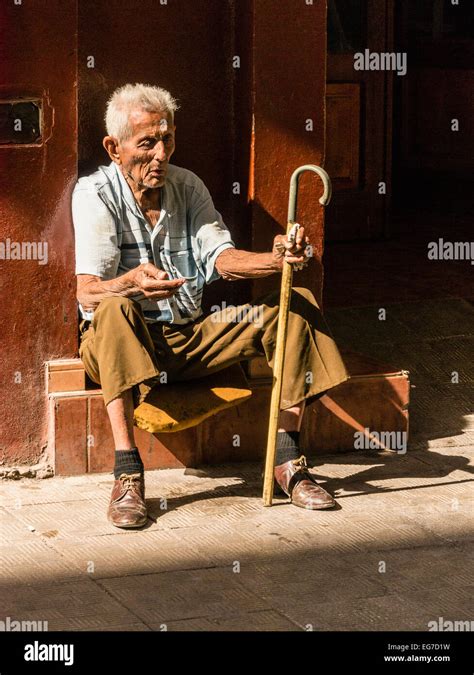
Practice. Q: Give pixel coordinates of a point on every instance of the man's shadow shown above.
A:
(417, 464)
(388, 465)
(249, 485)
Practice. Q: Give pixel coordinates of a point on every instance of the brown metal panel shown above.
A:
(100, 442)
(379, 404)
(165, 451)
(65, 375)
(238, 434)
(171, 451)
(70, 436)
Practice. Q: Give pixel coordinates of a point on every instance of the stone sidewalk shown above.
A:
(396, 554)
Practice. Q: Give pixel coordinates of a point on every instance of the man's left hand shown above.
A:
(297, 252)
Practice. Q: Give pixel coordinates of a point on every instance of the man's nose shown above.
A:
(160, 151)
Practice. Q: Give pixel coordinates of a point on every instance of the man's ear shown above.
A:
(110, 144)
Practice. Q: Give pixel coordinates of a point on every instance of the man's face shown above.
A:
(145, 155)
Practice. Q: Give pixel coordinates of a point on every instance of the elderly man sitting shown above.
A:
(148, 238)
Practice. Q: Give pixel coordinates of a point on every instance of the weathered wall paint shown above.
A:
(38, 316)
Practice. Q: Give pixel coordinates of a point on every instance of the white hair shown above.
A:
(132, 97)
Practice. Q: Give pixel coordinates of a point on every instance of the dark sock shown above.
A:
(127, 461)
(287, 446)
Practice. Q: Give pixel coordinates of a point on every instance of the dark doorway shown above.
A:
(433, 134)
(358, 119)
(415, 133)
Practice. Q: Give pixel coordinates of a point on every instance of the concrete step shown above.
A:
(368, 411)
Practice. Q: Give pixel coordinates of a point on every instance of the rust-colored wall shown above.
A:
(38, 317)
(289, 88)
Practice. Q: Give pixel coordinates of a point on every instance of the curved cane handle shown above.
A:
(295, 177)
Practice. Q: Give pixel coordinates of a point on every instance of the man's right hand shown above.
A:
(152, 282)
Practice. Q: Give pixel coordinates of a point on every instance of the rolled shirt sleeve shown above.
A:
(95, 232)
(211, 234)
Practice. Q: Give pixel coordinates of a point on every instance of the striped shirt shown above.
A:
(112, 237)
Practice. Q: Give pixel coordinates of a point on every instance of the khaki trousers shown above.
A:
(121, 351)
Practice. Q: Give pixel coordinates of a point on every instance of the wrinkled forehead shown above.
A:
(149, 121)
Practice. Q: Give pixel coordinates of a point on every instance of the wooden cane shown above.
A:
(282, 328)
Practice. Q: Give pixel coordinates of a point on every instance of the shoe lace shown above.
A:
(301, 462)
(302, 465)
(130, 480)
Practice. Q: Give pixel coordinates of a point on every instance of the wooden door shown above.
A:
(358, 120)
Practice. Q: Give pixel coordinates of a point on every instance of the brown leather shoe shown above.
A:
(127, 506)
(295, 480)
